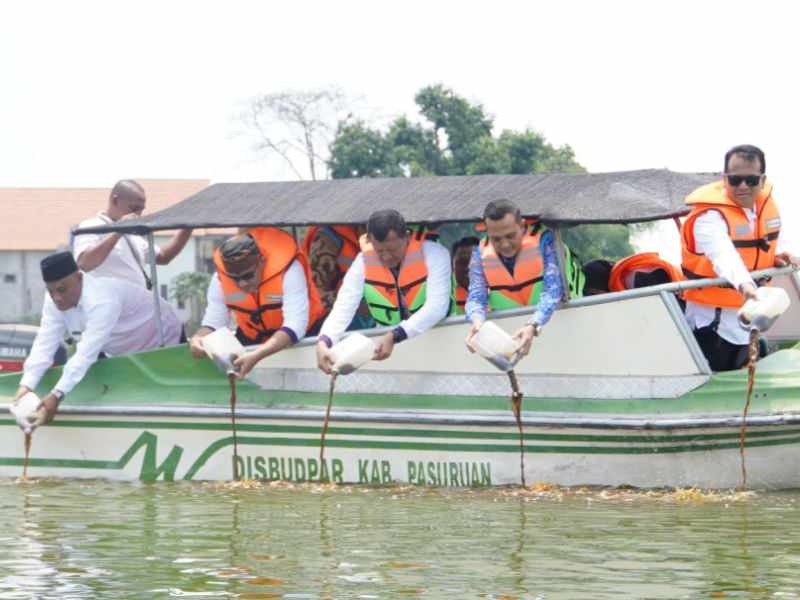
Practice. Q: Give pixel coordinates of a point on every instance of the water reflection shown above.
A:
(96, 539)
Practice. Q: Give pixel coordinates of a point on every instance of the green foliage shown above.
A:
(590, 242)
(190, 288)
(454, 139)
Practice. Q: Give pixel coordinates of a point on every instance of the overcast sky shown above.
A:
(96, 91)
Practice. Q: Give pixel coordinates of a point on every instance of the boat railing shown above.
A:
(655, 290)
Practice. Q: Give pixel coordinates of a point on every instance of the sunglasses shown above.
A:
(247, 275)
(750, 180)
(243, 276)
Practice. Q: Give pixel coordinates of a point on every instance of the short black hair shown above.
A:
(381, 222)
(597, 273)
(496, 210)
(749, 153)
(465, 242)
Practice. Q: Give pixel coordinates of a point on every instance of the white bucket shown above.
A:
(496, 346)
(222, 347)
(761, 313)
(352, 352)
(24, 409)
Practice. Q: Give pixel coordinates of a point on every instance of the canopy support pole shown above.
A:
(151, 258)
(561, 257)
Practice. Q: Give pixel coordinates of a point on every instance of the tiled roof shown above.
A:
(41, 218)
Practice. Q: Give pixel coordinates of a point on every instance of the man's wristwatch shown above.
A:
(537, 329)
(58, 395)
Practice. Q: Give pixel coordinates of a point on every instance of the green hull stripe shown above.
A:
(148, 442)
(655, 438)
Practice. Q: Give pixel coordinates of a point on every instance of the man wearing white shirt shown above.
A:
(734, 228)
(405, 281)
(114, 317)
(118, 255)
(262, 278)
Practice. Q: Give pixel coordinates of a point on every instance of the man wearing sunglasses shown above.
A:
(734, 228)
(263, 279)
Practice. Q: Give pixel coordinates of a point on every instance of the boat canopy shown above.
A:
(620, 197)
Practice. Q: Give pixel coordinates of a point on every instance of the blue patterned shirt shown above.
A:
(552, 288)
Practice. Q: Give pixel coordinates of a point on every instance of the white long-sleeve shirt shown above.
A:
(294, 309)
(112, 316)
(437, 295)
(712, 239)
(126, 259)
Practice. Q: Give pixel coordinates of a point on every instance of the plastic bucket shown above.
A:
(222, 347)
(762, 312)
(352, 352)
(496, 346)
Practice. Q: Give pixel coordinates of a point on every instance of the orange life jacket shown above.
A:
(524, 286)
(643, 262)
(755, 247)
(348, 251)
(391, 300)
(260, 314)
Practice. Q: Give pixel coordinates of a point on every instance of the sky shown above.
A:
(92, 92)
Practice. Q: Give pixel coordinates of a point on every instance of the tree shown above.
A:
(455, 138)
(295, 125)
(190, 288)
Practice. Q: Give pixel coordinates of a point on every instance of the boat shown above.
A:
(616, 390)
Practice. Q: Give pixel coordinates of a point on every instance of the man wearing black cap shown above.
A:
(113, 316)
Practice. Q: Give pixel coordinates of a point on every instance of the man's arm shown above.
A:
(101, 318)
(50, 335)
(91, 253)
(552, 286)
(712, 239)
(347, 301)
(437, 296)
(295, 320)
(215, 317)
(344, 308)
(550, 297)
(173, 248)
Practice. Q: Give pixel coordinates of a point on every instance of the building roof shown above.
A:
(41, 218)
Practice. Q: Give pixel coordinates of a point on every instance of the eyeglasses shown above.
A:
(750, 180)
(243, 276)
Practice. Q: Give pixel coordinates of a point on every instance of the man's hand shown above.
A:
(748, 290)
(46, 412)
(473, 331)
(21, 391)
(525, 337)
(196, 346)
(245, 363)
(324, 358)
(384, 347)
(129, 217)
(785, 258)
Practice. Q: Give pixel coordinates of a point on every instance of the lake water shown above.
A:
(96, 539)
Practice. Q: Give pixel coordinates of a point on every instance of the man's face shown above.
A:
(738, 177)
(66, 292)
(392, 250)
(505, 235)
(130, 202)
(246, 273)
(461, 258)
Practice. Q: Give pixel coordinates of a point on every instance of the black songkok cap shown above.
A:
(57, 266)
